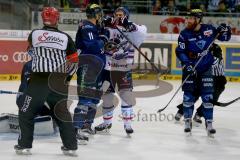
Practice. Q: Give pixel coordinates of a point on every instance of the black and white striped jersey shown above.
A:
(218, 67)
(52, 48)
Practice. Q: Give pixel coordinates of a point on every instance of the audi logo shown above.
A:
(21, 57)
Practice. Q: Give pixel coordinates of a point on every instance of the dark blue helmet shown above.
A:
(198, 13)
(92, 10)
(124, 10)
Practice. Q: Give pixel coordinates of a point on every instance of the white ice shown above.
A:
(153, 139)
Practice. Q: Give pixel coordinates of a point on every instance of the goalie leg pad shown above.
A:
(43, 125)
(4, 126)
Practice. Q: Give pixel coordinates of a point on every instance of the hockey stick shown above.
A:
(159, 71)
(9, 92)
(184, 81)
(222, 104)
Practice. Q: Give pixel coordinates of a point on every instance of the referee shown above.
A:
(53, 57)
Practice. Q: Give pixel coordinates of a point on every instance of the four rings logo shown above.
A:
(21, 57)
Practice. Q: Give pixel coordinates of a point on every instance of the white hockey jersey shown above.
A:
(137, 37)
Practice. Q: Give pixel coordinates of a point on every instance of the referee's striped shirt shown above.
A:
(218, 67)
(54, 51)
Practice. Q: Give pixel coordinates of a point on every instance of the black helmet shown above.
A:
(92, 10)
(196, 13)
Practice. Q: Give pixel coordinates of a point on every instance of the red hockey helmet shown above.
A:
(50, 16)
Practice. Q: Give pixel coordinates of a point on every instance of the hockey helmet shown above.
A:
(50, 16)
(198, 13)
(93, 10)
(124, 10)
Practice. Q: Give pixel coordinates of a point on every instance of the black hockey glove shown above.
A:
(128, 25)
(216, 51)
(108, 21)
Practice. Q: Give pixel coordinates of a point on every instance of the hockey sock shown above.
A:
(108, 114)
(188, 111)
(127, 114)
(80, 116)
(208, 111)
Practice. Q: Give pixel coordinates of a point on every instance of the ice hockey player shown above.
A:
(193, 43)
(54, 52)
(90, 46)
(119, 61)
(219, 81)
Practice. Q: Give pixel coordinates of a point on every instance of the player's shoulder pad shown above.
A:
(183, 34)
(84, 24)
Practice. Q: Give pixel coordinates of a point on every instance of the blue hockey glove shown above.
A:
(188, 69)
(223, 28)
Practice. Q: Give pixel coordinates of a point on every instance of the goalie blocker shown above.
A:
(44, 125)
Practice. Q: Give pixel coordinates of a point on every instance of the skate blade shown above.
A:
(129, 135)
(196, 124)
(105, 131)
(177, 122)
(210, 135)
(82, 142)
(23, 152)
(70, 153)
(188, 134)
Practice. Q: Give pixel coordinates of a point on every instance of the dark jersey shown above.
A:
(88, 40)
(191, 44)
(51, 50)
(25, 76)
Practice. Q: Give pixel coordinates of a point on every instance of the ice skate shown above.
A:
(210, 130)
(103, 127)
(197, 120)
(178, 116)
(22, 151)
(69, 152)
(81, 138)
(87, 129)
(128, 130)
(188, 127)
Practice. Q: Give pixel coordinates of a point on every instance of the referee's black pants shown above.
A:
(42, 87)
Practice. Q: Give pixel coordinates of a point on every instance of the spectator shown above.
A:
(197, 3)
(222, 7)
(182, 4)
(157, 8)
(170, 9)
(213, 5)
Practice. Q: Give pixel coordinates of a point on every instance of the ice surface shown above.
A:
(153, 138)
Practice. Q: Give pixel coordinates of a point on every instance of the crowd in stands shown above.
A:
(159, 7)
(220, 7)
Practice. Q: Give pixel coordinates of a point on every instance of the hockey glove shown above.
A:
(223, 28)
(188, 69)
(120, 54)
(104, 38)
(108, 22)
(129, 26)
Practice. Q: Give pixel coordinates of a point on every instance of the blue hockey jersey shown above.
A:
(88, 40)
(192, 43)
